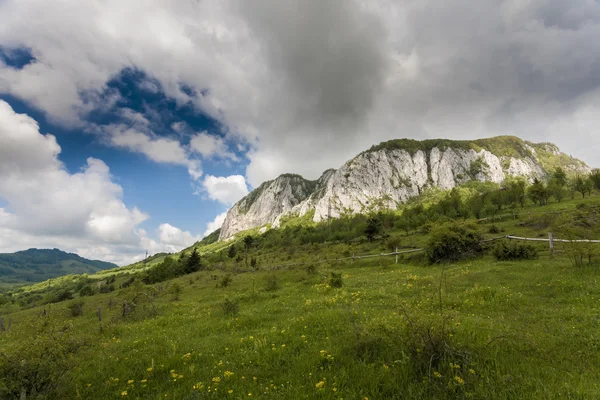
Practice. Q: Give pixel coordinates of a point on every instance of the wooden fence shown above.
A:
(550, 240)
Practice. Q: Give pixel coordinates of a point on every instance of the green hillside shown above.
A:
(279, 316)
(37, 265)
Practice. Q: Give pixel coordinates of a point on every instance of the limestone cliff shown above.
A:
(391, 173)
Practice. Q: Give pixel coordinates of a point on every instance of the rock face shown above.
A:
(390, 174)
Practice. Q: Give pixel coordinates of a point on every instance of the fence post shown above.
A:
(396, 255)
(551, 237)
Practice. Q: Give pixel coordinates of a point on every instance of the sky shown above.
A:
(130, 126)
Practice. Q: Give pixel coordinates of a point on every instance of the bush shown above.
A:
(225, 281)
(454, 241)
(128, 282)
(393, 243)
(311, 269)
(64, 295)
(335, 280)
(37, 368)
(271, 283)
(230, 307)
(504, 251)
(175, 290)
(76, 309)
(494, 229)
(87, 290)
(107, 288)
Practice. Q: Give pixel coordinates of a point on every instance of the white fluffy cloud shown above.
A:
(301, 79)
(215, 224)
(171, 235)
(81, 212)
(161, 150)
(225, 189)
(210, 146)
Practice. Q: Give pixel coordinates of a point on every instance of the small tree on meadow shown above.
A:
(595, 179)
(557, 190)
(560, 177)
(192, 264)
(232, 252)
(374, 227)
(248, 242)
(539, 193)
(516, 192)
(582, 185)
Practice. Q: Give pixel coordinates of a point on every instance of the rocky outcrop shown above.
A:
(389, 175)
(266, 203)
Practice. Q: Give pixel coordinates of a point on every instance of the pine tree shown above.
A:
(248, 242)
(374, 227)
(193, 262)
(232, 251)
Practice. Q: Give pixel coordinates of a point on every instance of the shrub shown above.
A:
(495, 229)
(393, 243)
(64, 295)
(426, 228)
(311, 269)
(37, 368)
(87, 290)
(230, 307)
(128, 282)
(335, 280)
(76, 308)
(271, 283)
(175, 290)
(504, 251)
(107, 288)
(454, 241)
(225, 281)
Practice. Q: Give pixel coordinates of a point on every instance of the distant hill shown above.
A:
(36, 265)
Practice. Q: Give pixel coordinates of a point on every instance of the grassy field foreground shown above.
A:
(479, 329)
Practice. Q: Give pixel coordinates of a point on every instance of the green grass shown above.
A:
(528, 329)
(510, 330)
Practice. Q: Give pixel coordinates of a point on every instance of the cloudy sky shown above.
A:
(128, 126)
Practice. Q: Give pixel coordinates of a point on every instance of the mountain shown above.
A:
(391, 173)
(36, 265)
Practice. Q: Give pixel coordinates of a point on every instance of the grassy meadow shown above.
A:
(363, 329)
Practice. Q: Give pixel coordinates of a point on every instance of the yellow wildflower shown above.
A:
(437, 374)
(124, 393)
(228, 374)
(129, 382)
(320, 385)
(216, 379)
(459, 380)
(149, 369)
